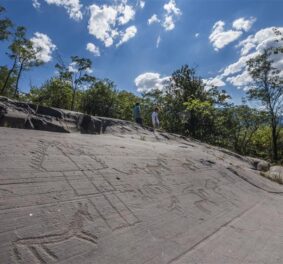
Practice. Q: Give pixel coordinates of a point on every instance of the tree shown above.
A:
(100, 99)
(77, 74)
(54, 93)
(268, 89)
(124, 105)
(244, 123)
(5, 25)
(24, 57)
(10, 86)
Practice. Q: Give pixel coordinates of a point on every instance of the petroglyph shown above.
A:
(38, 155)
(189, 164)
(130, 186)
(153, 190)
(203, 198)
(38, 245)
(115, 213)
(175, 206)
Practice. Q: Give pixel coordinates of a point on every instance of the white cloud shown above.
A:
(101, 23)
(236, 73)
(150, 81)
(93, 49)
(73, 7)
(158, 41)
(168, 23)
(221, 38)
(153, 19)
(170, 14)
(125, 13)
(36, 4)
(105, 22)
(239, 80)
(73, 67)
(171, 8)
(238, 65)
(142, 4)
(247, 45)
(129, 33)
(44, 46)
(197, 35)
(213, 82)
(243, 24)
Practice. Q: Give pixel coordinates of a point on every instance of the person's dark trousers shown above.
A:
(139, 121)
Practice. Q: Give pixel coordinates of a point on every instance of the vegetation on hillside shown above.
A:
(187, 106)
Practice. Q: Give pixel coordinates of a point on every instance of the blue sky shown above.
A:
(138, 44)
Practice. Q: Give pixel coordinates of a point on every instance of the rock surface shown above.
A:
(275, 173)
(128, 195)
(258, 164)
(30, 116)
(76, 198)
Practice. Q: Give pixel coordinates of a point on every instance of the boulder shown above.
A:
(89, 124)
(276, 173)
(258, 164)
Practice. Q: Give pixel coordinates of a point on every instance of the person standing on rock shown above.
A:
(154, 118)
(137, 114)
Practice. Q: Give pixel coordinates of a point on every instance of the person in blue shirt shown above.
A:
(137, 114)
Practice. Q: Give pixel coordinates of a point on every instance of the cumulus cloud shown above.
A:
(240, 80)
(129, 33)
(44, 47)
(93, 49)
(243, 24)
(36, 4)
(73, 67)
(171, 8)
(236, 73)
(168, 23)
(141, 4)
(150, 81)
(220, 38)
(197, 35)
(170, 14)
(125, 13)
(105, 22)
(153, 19)
(214, 82)
(73, 7)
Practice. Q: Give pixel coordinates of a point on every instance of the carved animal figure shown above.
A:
(38, 245)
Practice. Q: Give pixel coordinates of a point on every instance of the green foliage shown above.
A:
(124, 105)
(55, 93)
(11, 82)
(77, 75)
(202, 113)
(24, 57)
(186, 105)
(99, 99)
(5, 26)
(268, 89)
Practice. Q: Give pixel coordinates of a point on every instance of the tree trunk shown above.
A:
(274, 140)
(73, 100)
(18, 79)
(8, 77)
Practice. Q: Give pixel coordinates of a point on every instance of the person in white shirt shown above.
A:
(154, 118)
